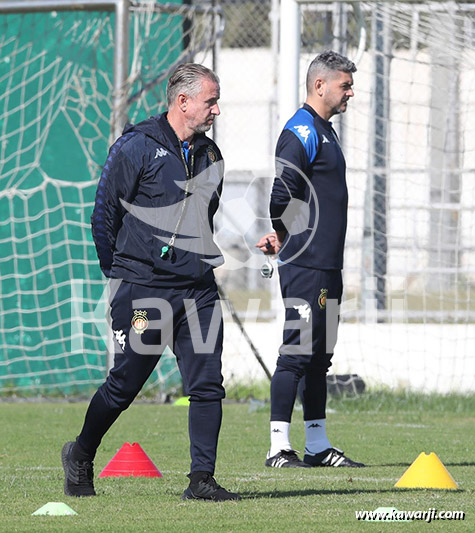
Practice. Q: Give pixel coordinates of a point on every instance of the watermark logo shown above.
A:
(188, 219)
(240, 222)
(391, 514)
(87, 314)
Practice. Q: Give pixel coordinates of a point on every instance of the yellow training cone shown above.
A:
(427, 472)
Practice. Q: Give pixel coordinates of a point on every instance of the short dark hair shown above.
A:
(187, 78)
(328, 61)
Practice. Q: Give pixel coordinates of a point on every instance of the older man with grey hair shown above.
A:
(166, 294)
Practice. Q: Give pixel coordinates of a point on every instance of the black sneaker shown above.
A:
(286, 459)
(78, 475)
(331, 457)
(203, 486)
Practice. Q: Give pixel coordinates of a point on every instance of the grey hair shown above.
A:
(187, 79)
(326, 63)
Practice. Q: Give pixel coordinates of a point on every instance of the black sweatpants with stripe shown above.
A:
(189, 321)
(311, 299)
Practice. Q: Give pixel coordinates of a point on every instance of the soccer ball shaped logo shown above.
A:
(244, 218)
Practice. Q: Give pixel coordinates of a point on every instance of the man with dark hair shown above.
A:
(164, 293)
(311, 169)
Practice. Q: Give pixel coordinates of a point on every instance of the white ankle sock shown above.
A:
(279, 438)
(316, 439)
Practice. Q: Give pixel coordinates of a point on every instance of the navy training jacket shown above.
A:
(139, 206)
(311, 168)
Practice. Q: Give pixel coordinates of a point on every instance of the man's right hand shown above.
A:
(271, 243)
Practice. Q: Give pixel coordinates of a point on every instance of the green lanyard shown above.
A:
(185, 152)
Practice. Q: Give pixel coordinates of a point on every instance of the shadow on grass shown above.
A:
(310, 492)
(462, 463)
(300, 493)
(402, 465)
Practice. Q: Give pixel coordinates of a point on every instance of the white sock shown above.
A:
(316, 439)
(279, 438)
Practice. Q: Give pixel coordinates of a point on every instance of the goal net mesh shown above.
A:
(409, 142)
(56, 93)
(407, 316)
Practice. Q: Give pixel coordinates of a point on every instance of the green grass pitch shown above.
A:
(384, 431)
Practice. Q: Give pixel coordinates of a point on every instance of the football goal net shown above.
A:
(71, 73)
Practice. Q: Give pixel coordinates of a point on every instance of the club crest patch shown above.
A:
(212, 156)
(139, 321)
(322, 299)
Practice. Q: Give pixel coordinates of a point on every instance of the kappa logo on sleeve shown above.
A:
(303, 131)
(161, 152)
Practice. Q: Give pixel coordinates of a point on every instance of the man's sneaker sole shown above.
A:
(188, 495)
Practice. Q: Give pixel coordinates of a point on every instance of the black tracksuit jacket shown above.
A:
(146, 171)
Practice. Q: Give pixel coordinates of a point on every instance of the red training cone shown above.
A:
(130, 460)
